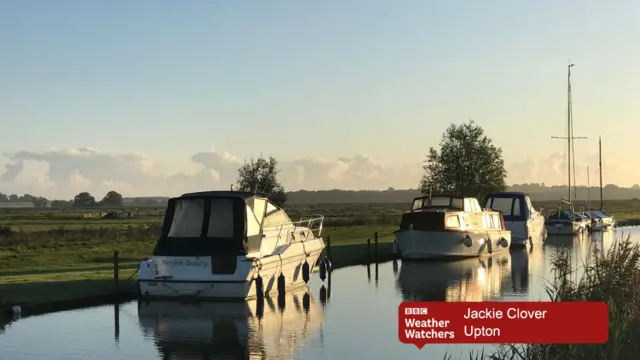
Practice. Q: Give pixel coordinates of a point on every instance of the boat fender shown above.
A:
(504, 243)
(259, 287)
(489, 246)
(328, 264)
(467, 241)
(281, 284)
(323, 269)
(395, 266)
(306, 302)
(305, 272)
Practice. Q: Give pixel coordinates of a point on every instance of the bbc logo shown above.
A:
(415, 311)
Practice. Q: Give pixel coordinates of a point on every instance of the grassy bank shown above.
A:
(53, 265)
(613, 277)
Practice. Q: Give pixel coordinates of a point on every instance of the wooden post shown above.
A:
(329, 247)
(368, 249)
(116, 268)
(375, 249)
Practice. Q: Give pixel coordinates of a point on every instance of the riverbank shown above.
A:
(613, 277)
(59, 273)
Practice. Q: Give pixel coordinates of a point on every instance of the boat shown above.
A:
(595, 223)
(450, 226)
(565, 222)
(229, 245)
(607, 221)
(474, 279)
(273, 329)
(525, 223)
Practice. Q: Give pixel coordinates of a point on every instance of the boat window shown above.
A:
(453, 221)
(456, 203)
(188, 216)
(516, 207)
(529, 205)
(496, 221)
(258, 209)
(440, 201)
(467, 205)
(271, 207)
(502, 204)
(486, 221)
(277, 218)
(253, 226)
(417, 204)
(221, 219)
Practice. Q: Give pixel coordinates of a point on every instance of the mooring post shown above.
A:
(116, 268)
(376, 270)
(369, 272)
(375, 238)
(368, 249)
(329, 247)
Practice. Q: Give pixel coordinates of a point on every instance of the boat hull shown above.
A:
(160, 277)
(525, 233)
(420, 244)
(564, 228)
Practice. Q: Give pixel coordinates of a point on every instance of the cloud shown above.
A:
(64, 173)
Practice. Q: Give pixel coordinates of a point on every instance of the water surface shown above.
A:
(355, 315)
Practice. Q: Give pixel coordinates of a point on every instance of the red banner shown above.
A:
(422, 323)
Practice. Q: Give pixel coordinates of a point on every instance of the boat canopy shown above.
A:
(216, 222)
(445, 203)
(515, 206)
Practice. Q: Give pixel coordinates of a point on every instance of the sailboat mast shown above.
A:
(569, 132)
(588, 190)
(600, 165)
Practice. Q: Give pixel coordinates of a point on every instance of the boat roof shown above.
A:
(245, 195)
(508, 193)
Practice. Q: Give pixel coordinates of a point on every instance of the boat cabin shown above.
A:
(217, 223)
(445, 203)
(446, 213)
(514, 206)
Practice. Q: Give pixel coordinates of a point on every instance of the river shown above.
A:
(355, 316)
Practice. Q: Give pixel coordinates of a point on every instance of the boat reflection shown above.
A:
(232, 330)
(474, 279)
(520, 262)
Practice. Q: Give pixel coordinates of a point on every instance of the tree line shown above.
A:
(466, 163)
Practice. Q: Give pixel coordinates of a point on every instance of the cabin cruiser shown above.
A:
(607, 220)
(595, 223)
(229, 244)
(271, 329)
(445, 226)
(565, 222)
(525, 223)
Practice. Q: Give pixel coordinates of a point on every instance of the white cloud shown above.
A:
(64, 173)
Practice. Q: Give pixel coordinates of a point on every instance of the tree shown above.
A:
(468, 164)
(113, 198)
(84, 199)
(261, 177)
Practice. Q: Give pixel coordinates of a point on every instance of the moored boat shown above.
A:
(525, 223)
(450, 226)
(229, 244)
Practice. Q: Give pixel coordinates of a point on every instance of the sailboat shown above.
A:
(567, 222)
(605, 219)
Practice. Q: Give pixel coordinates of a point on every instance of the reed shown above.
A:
(612, 276)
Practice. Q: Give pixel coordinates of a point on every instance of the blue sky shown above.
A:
(311, 79)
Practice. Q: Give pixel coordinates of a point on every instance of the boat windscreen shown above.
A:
(513, 208)
(188, 215)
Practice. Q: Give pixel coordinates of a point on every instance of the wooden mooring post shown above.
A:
(116, 268)
(375, 249)
(368, 249)
(329, 247)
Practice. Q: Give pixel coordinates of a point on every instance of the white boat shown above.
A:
(525, 223)
(232, 329)
(229, 244)
(445, 226)
(477, 279)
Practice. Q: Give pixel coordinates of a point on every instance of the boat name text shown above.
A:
(188, 263)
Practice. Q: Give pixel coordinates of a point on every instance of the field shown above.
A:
(54, 249)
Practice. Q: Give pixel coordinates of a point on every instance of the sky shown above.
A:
(161, 97)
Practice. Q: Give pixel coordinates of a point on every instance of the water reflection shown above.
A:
(520, 270)
(232, 330)
(474, 279)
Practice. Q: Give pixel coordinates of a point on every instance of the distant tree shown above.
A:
(40, 202)
(467, 164)
(84, 199)
(4, 197)
(13, 197)
(113, 199)
(61, 204)
(261, 176)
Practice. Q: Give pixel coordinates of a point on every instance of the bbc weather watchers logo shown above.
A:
(416, 311)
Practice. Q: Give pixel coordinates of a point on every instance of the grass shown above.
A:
(612, 276)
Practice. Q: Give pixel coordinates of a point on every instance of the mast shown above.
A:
(588, 190)
(600, 165)
(569, 126)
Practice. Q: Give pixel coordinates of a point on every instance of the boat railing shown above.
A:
(314, 225)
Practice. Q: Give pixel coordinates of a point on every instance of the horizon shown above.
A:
(176, 97)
